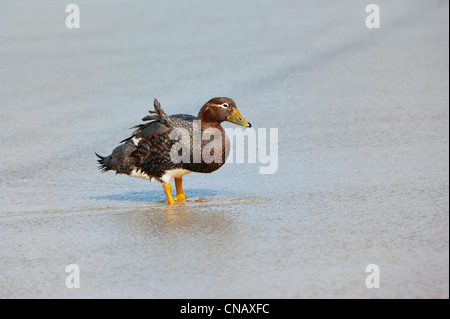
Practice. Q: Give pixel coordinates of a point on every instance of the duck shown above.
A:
(170, 147)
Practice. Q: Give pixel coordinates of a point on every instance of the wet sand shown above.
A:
(363, 171)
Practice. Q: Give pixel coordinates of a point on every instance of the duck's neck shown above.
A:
(208, 119)
(205, 124)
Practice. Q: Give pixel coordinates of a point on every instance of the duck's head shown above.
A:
(221, 109)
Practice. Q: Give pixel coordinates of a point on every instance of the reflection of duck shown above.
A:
(147, 152)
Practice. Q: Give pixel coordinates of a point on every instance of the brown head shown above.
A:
(221, 109)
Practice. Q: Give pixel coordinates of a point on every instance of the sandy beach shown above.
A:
(363, 150)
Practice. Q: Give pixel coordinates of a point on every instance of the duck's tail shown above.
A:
(119, 160)
(104, 162)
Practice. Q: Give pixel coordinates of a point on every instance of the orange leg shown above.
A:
(168, 190)
(179, 188)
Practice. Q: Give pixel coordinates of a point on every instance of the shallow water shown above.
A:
(362, 118)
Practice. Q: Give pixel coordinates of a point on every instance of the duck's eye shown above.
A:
(225, 104)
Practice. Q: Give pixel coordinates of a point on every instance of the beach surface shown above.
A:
(362, 165)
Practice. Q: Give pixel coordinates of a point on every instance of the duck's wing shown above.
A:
(158, 116)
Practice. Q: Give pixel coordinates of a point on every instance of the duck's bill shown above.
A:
(238, 119)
